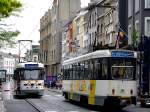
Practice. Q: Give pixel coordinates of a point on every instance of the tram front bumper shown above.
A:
(26, 92)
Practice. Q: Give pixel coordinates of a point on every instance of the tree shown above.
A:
(7, 7)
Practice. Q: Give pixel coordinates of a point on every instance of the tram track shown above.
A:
(38, 109)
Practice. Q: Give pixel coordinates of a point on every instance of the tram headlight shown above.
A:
(39, 84)
(25, 84)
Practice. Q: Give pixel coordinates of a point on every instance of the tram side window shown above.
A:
(91, 68)
(86, 70)
(82, 70)
(104, 68)
(73, 71)
(97, 69)
(70, 72)
(77, 71)
(65, 71)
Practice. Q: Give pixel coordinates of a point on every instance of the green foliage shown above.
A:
(7, 7)
(135, 37)
(8, 38)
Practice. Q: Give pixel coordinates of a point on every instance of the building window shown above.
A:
(137, 25)
(54, 55)
(110, 38)
(147, 26)
(129, 8)
(137, 4)
(147, 3)
(111, 17)
(129, 34)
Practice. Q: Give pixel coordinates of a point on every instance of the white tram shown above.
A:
(104, 77)
(29, 78)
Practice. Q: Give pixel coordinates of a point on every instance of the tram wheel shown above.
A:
(66, 96)
(111, 103)
(143, 104)
(84, 100)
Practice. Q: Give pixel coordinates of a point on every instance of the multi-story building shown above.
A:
(138, 19)
(80, 24)
(74, 38)
(7, 62)
(62, 11)
(92, 28)
(102, 24)
(45, 33)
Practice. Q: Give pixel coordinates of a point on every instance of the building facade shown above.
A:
(93, 28)
(45, 33)
(60, 13)
(138, 19)
(80, 32)
(102, 25)
(7, 62)
(74, 36)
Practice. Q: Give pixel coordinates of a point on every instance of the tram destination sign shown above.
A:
(125, 54)
(31, 66)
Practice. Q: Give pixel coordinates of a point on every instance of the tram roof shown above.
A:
(22, 65)
(96, 54)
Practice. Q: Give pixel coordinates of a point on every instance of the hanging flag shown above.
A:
(121, 40)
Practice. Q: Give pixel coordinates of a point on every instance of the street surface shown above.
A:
(54, 102)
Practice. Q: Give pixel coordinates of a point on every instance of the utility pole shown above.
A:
(25, 44)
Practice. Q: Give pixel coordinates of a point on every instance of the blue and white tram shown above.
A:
(29, 78)
(103, 77)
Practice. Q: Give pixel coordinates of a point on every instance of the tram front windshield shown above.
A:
(123, 68)
(32, 74)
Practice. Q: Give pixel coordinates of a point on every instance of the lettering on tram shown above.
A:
(29, 78)
(101, 77)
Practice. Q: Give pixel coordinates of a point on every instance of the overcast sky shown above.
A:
(29, 20)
